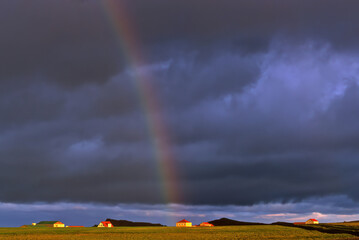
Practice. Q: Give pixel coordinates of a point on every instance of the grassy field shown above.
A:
(354, 224)
(348, 228)
(168, 233)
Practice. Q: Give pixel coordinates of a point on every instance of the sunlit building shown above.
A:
(312, 221)
(184, 223)
(105, 224)
(206, 224)
(48, 224)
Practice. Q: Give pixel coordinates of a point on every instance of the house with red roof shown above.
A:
(184, 223)
(312, 221)
(105, 224)
(206, 224)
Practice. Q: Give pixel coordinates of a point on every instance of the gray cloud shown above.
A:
(259, 100)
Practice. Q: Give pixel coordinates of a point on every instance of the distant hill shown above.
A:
(287, 224)
(356, 221)
(125, 223)
(230, 222)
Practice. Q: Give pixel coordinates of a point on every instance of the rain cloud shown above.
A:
(260, 102)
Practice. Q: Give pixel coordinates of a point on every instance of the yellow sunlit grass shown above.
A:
(166, 233)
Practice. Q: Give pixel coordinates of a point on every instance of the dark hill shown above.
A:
(287, 224)
(125, 223)
(230, 222)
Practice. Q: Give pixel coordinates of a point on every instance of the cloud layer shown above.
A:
(335, 209)
(259, 99)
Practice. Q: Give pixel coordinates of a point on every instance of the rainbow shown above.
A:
(128, 41)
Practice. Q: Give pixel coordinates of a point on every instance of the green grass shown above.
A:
(354, 224)
(335, 228)
(168, 233)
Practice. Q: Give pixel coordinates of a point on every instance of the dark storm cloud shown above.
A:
(67, 41)
(246, 24)
(258, 97)
(73, 42)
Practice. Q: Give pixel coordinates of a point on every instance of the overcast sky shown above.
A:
(259, 101)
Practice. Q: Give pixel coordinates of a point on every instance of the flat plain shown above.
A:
(168, 233)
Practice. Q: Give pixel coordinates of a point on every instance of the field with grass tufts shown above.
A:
(168, 233)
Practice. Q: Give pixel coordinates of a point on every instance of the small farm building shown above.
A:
(312, 221)
(49, 224)
(206, 224)
(184, 223)
(105, 224)
(299, 223)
